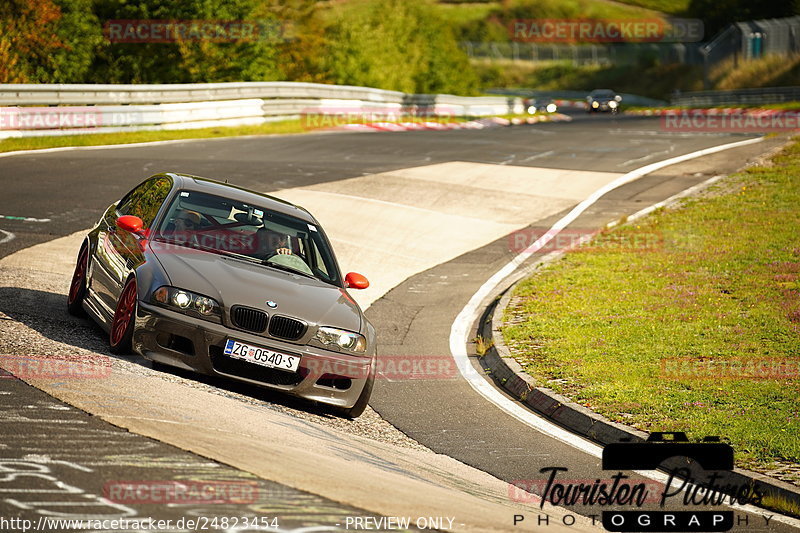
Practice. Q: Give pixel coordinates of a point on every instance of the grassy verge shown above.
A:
(97, 139)
(646, 79)
(272, 128)
(767, 71)
(641, 333)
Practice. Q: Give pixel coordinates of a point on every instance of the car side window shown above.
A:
(319, 263)
(132, 198)
(145, 200)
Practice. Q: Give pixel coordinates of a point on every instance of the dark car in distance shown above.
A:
(540, 105)
(603, 100)
(224, 281)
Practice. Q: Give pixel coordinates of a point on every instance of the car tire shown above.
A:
(77, 287)
(363, 399)
(121, 332)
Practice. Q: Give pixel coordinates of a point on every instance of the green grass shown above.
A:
(722, 284)
(767, 71)
(96, 139)
(597, 9)
(781, 505)
(463, 13)
(672, 7)
(490, 21)
(645, 79)
(272, 128)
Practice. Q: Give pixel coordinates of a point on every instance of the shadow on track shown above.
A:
(45, 313)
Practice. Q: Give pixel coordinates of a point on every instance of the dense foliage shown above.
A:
(716, 14)
(404, 45)
(391, 44)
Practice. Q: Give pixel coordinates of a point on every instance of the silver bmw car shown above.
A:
(221, 280)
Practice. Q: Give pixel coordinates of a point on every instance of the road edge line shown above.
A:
(478, 308)
(459, 332)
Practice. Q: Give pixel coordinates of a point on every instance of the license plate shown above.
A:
(262, 356)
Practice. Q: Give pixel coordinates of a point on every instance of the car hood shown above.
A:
(235, 282)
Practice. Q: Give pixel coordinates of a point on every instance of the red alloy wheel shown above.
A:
(124, 313)
(79, 277)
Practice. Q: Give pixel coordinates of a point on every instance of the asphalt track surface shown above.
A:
(71, 188)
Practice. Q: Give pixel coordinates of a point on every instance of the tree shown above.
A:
(395, 44)
(716, 14)
(81, 35)
(193, 58)
(27, 39)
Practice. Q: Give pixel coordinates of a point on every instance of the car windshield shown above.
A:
(603, 93)
(249, 232)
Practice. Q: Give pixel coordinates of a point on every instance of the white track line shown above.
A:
(459, 332)
(8, 236)
(24, 219)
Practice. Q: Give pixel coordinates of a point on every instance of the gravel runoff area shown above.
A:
(34, 321)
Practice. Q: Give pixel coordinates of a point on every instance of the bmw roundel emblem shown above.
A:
(271, 304)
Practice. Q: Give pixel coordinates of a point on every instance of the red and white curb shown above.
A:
(711, 112)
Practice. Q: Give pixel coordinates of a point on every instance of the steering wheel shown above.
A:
(291, 261)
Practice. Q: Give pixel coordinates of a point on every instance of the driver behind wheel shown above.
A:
(185, 221)
(271, 243)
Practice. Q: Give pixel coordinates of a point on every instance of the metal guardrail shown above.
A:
(35, 110)
(766, 95)
(106, 94)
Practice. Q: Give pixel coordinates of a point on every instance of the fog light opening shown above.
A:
(334, 382)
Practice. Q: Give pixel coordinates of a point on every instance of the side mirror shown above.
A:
(130, 223)
(355, 281)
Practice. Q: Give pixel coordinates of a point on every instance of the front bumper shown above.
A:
(183, 341)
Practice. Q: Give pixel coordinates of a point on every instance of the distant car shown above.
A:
(540, 105)
(224, 281)
(603, 100)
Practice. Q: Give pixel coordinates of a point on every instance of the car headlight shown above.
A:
(532, 109)
(188, 302)
(612, 104)
(595, 104)
(551, 108)
(340, 340)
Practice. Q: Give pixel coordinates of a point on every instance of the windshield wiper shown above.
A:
(285, 268)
